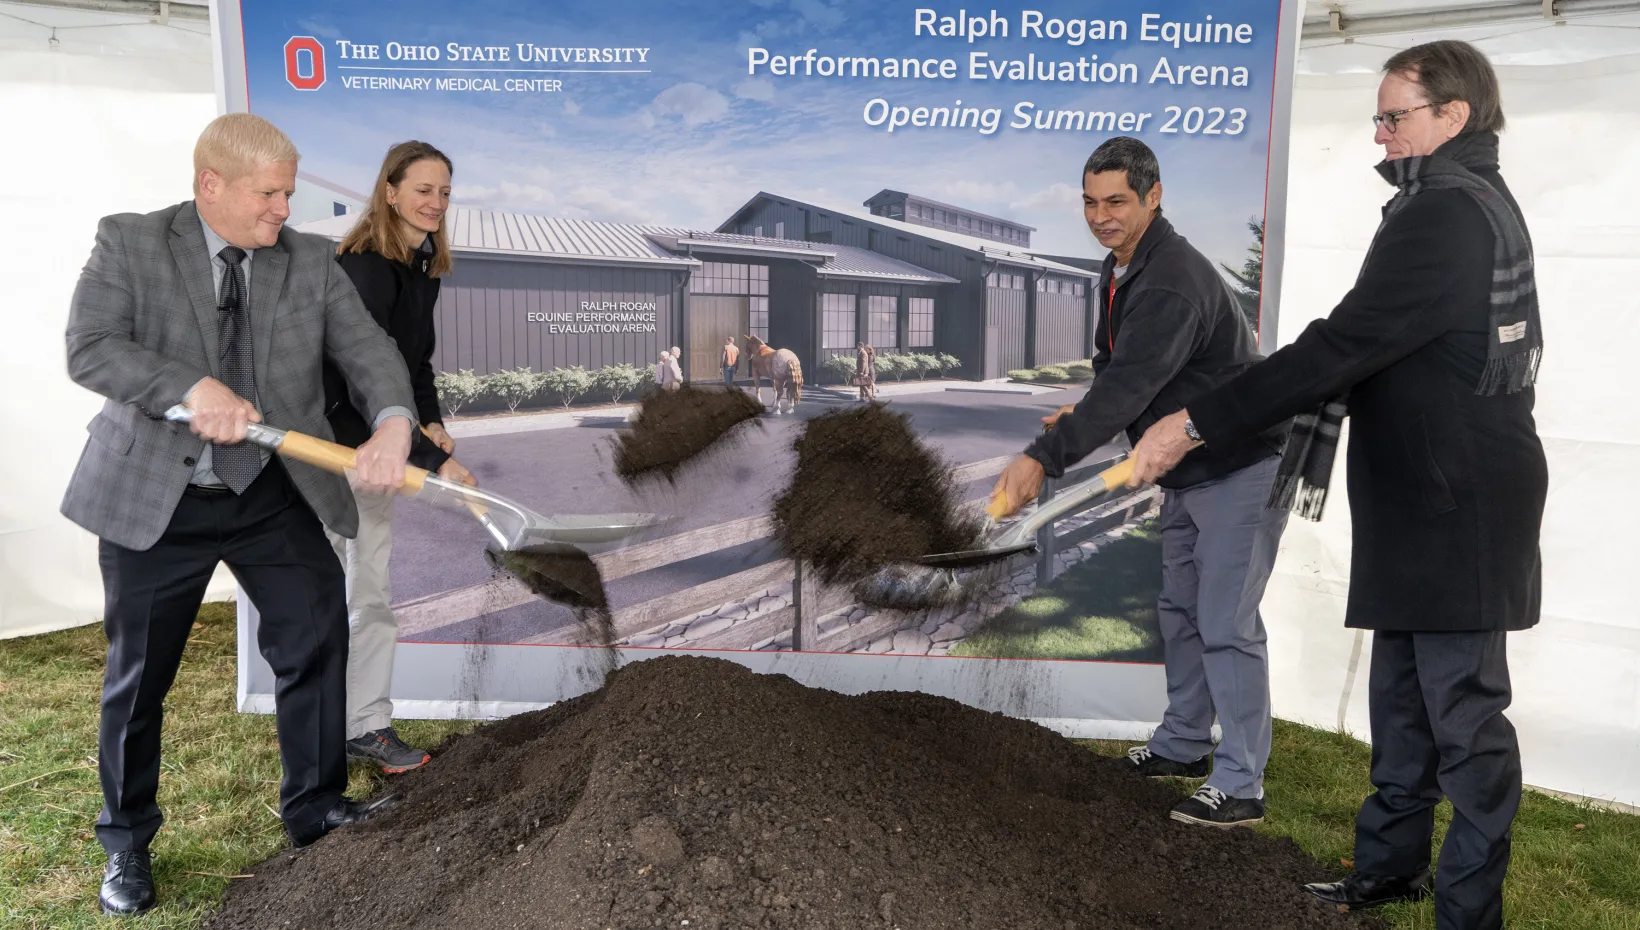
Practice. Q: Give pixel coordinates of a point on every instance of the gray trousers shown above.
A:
(1218, 547)
(373, 631)
(1438, 730)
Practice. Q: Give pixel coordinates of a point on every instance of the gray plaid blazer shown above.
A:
(142, 331)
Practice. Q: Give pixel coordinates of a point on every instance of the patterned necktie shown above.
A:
(236, 465)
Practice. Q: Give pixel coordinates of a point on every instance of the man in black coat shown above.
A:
(1433, 355)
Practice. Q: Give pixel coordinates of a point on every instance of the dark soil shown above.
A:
(690, 789)
(867, 494)
(675, 427)
(568, 578)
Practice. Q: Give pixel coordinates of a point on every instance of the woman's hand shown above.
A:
(453, 470)
(437, 433)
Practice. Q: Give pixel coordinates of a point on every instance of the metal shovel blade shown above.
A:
(934, 578)
(511, 525)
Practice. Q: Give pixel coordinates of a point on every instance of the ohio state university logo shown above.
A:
(305, 63)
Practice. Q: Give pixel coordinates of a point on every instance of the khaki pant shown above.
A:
(373, 630)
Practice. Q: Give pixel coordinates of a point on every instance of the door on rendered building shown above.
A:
(713, 318)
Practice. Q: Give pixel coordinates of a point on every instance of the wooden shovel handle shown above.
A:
(338, 458)
(1114, 477)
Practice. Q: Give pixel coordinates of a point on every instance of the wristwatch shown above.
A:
(1190, 430)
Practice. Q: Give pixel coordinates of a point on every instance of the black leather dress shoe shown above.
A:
(128, 884)
(345, 813)
(1360, 890)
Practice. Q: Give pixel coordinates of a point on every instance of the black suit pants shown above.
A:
(1438, 730)
(277, 549)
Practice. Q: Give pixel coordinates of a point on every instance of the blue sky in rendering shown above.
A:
(694, 135)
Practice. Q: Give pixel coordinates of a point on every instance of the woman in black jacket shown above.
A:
(395, 256)
(1433, 355)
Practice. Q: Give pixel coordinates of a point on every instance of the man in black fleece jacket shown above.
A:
(1168, 330)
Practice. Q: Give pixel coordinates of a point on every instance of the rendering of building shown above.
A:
(317, 198)
(547, 292)
(920, 211)
(1008, 309)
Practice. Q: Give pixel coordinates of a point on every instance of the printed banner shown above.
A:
(637, 184)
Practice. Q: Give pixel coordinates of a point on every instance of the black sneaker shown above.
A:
(384, 748)
(1150, 765)
(1210, 807)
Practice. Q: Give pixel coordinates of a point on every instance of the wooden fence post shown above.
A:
(805, 603)
(1044, 537)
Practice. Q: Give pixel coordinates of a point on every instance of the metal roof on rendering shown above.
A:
(989, 248)
(527, 236)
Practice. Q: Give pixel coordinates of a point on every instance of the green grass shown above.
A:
(1573, 867)
(220, 787)
(1103, 608)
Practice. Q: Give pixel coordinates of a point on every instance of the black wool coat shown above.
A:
(1446, 487)
(400, 297)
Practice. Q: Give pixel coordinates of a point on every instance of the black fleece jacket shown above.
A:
(400, 297)
(1173, 333)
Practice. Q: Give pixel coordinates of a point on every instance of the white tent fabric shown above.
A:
(1569, 152)
(104, 124)
(108, 122)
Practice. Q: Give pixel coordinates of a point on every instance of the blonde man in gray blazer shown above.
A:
(213, 303)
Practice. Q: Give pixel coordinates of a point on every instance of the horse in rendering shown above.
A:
(782, 369)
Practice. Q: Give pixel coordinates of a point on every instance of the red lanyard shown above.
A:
(1110, 315)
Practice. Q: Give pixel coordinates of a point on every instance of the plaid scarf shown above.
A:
(1515, 336)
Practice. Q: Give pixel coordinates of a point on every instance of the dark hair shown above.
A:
(1450, 70)
(1125, 153)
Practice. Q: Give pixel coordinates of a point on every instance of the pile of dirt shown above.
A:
(868, 494)
(691, 792)
(674, 428)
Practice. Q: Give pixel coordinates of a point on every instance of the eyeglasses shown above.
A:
(1390, 119)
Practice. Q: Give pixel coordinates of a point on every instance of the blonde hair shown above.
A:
(234, 144)
(380, 231)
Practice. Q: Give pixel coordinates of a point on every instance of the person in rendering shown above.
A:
(212, 303)
(395, 256)
(1432, 355)
(665, 373)
(1168, 329)
(674, 370)
(731, 355)
(865, 371)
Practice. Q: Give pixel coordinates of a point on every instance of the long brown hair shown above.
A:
(380, 231)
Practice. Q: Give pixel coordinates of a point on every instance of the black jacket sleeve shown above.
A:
(1415, 286)
(425, 453)
(1160, 330)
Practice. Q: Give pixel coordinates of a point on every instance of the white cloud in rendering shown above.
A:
(755, 89)
(695, 104)
(1058, 195)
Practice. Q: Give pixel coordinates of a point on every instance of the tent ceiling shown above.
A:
(1512, 34)
(1333, 18)
(158, 10)
(39, 27)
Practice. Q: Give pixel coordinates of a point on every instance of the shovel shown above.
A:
(999, 543)
(932, 579)
(513, 527)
